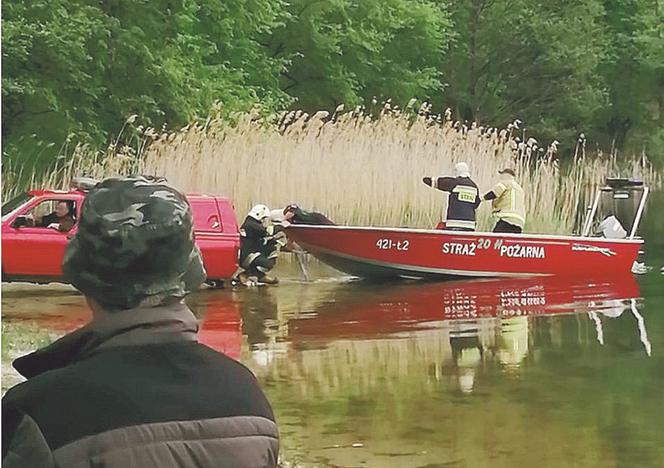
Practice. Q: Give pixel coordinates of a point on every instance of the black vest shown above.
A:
(463, 201)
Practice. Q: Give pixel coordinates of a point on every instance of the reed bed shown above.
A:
(356, 168)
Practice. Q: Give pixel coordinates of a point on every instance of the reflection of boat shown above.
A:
(374, 310)
(429, 253)
(475, 321)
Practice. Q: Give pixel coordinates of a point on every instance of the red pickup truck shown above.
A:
(35, 254)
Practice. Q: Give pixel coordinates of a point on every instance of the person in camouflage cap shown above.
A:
(134, 387)
(134, 245)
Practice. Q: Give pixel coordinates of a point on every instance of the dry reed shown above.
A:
(356, 168)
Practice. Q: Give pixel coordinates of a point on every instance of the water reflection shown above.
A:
(413, 374)
(454, 328)
(614, 309)
(388, 366)
(328, 335)
(222, 327)
(468, 322)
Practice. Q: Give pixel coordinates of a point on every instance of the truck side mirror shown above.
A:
(20, 220)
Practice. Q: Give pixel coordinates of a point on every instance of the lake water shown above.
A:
(531, 372)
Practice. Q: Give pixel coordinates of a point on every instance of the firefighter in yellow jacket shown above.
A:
(508, 203)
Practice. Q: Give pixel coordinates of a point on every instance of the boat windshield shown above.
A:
(10, 206)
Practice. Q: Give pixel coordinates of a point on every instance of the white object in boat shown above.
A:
(612, 229)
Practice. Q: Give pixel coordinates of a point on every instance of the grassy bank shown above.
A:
(356, 168)
(20, 338)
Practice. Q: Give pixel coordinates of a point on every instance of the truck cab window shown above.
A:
(59, 215)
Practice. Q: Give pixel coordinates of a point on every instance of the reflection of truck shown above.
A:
(35, 253)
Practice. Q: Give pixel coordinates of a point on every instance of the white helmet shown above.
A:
(259, 212)
(461, 169)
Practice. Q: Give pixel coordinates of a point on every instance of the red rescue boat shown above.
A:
(372, 252)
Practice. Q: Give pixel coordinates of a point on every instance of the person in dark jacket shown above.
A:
(293, 214)
(62, 219)
(260, 243)
(463, 198)
(134, 388)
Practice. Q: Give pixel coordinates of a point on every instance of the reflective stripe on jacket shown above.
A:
(463, 200)
(509, 204)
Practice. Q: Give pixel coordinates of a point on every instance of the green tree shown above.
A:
(634, 71)
(348, 51)
(534, 60)
(83, 66)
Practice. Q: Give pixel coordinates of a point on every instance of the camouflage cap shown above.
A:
(135, 242)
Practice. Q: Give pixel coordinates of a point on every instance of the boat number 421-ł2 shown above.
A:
(389, 244)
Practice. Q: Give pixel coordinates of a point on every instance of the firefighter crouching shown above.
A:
(260, 243)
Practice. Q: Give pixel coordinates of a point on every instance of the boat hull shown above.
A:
(437, 254)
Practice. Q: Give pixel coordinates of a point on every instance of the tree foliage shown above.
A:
(634, 72)
(534, 60)
(349, 51)
(82, 67)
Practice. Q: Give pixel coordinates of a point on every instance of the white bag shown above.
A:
(612, 229)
